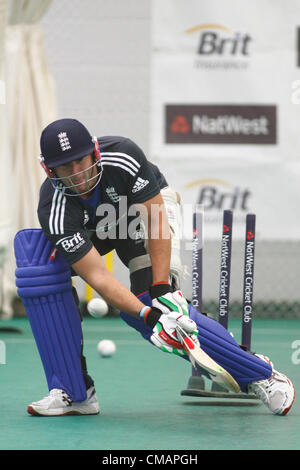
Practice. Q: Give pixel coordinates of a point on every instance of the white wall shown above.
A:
(99, 54)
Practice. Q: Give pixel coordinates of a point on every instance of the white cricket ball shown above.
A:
(97, 307)
(106, 348)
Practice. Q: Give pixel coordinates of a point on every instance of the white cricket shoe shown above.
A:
(277, 392)
(58, 403)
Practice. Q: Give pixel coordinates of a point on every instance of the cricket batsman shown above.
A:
(102, 194)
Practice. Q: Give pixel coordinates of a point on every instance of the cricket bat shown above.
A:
(203, 362)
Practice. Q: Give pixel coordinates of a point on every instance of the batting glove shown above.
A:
(167, 301)
(164, 332)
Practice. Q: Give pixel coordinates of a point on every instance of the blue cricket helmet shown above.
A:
(65, 140)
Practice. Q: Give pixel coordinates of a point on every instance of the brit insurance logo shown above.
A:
(220, 124)
(218, 46)
(71, 243)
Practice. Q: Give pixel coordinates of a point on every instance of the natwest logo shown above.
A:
(180, 125)
(221, 124)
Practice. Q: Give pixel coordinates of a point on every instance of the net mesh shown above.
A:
(276, 276)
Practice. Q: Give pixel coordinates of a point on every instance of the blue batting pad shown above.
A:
(45, 287)
(218, 343)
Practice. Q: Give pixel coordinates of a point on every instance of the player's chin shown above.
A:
(81, 189)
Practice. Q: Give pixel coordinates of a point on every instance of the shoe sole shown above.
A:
(34, 412)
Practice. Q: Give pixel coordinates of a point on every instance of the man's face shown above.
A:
(77, 174)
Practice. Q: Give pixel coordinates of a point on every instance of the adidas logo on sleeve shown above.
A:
(139, 184)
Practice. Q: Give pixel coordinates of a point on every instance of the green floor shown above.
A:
(139, 393)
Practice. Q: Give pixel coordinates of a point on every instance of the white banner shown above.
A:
(243, 189)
